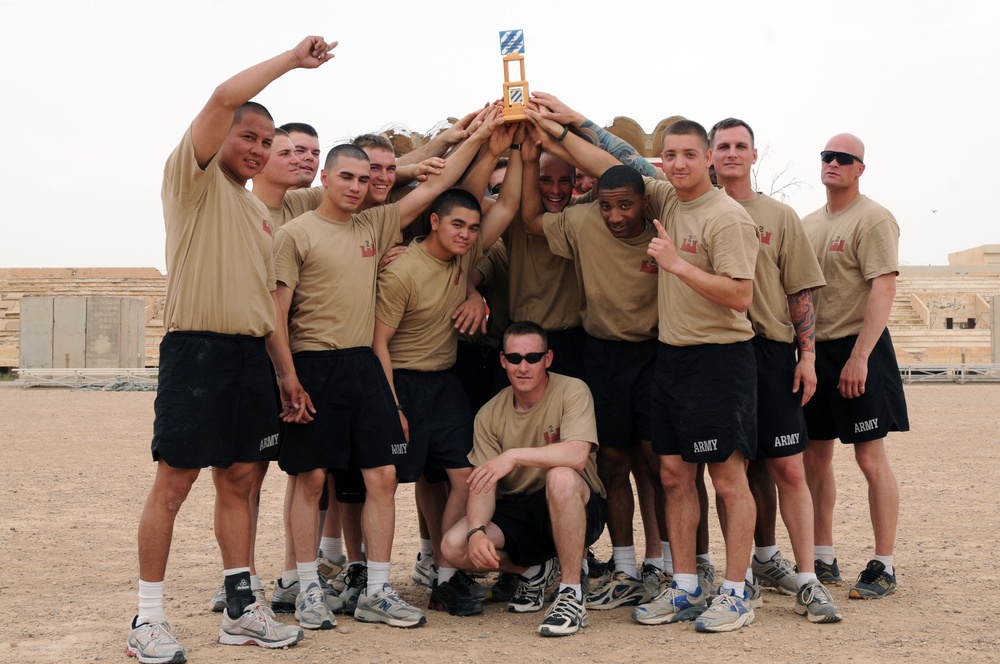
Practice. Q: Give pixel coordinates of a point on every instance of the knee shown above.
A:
(672, 480)
(871, 459)
(453, 544)
(818, 457)
(380, 482)
(788, 471)
(561, 482)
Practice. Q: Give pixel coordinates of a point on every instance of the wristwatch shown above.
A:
(474, 531)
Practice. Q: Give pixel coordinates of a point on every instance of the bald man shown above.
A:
(859, 394)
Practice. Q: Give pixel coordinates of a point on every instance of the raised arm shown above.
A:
(579, 152)
(444, 141)
(213, 122)
(532, 208)
(498, 217)
(477, 177)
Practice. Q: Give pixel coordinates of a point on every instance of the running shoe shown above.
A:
(257, 626)
(654, 579)
(776, 573)
(504, 588)
(727, 613)
(476, 589)
(453, 597)
(218, 602)
(706, 578)
(311, 610)
(386, 606)
(618, 589)
(283, 599)
(672, 605)
(566, 615)
(814, 602)
(828, 573)
(154, 643)
(530, 594)
(874, 582)
(421, 574)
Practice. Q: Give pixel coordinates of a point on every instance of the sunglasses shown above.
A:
(843, 158)
(532, 358)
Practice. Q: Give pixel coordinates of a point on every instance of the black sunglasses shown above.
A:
(532, 358)
(843, 158)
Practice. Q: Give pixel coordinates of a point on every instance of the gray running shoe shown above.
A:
(421, 574)
(776, 573)
(566, 615)
(311, 610)
(283, 599)
(219, 599)
(386, 606)
(154, 643)
(618, 589)
(329, 570)
(706, 578)
(257, 626)
(815, 603)
(672, 605)
(530, 594)
(828, 574)
(356, 580)
(753, 593)
(654, 579)
(727, 613)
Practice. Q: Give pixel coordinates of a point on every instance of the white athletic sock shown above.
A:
(885, 560)
(704, 558)
(577, 590)
(255, 583)
(748, 576)
(378, 576)
(585, 568)
(308, 575)
(668, 561)
(732, 588)
(686, 582)
(655, 562)
(332, 548)
(802, 578)
(288, 577)
(531, 572)
(150, 602)
(445, 574)
(624, 559)
(826, 554)
(364, 551)
(764, 553)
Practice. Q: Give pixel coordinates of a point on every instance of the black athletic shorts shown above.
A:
(527, 528)
(881, 409)
(620, 377)
(214, 401)
(567, 351)
(356, 424)
(705, 401)
(781, 426)
(440, 422)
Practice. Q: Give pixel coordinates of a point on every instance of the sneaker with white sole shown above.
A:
(421, 574)
(329, 570)
(565, 616)
(874, 582)
(530, 594)
(256, 626)
(386, 606)
(706, 578)
(218, 602)
(776, 574)
(311, 610)
(753, 593)
(672, 605)
(618, 589)
(283, 599)
(727, 613)
(815, 603)
(828, 573)
(654, 579)
(154, 643)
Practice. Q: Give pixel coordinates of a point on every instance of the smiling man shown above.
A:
(859, 394)
(535, 492)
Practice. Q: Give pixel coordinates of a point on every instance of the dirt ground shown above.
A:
(76, 469)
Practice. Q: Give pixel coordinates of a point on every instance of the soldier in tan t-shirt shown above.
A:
(215, 401)
(535, 491)
(781, 312)
(859, 394)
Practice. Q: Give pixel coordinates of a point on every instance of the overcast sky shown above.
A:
(97, 94)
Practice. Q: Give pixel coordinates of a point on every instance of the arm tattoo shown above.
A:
(803, 314)
(618, 148)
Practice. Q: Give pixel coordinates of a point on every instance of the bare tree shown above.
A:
(773, 182)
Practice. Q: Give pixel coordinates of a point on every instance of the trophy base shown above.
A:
(514, 114)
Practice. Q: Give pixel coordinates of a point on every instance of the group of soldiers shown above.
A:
(661, 323)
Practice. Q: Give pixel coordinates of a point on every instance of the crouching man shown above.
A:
(535, 492)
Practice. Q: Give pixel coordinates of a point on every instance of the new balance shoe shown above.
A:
(283, 599)
(828, 573)
(672, 605)
(218, 602)
(355, 581)
(476, 589)
(329, 570)
(727, 613)
(618, 589)
(706, 578)
(874, 582)
(453, 597)
(311, 610)
(776, 573)
(421, 574)
(256, 626)
(154, 643)
(504, 588)
(753, 594)
(814, 602)
(386, 606)
(530, 593)
(566, 615)
(654, 579)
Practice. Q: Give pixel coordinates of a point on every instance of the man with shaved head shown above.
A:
(859, 394)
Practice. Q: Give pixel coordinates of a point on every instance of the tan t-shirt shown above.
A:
(786, 265)
(854, 246)
(295, 204)
(564, 413)
(331, 266)
(219, 268)
(715, 234)
(417, 295)
(618, 276)
(544, 288)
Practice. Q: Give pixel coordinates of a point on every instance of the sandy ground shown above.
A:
(76, 469)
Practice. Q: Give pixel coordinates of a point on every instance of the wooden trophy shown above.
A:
(515, 93)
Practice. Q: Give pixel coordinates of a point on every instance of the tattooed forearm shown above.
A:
(618, 148)
(803, 314)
